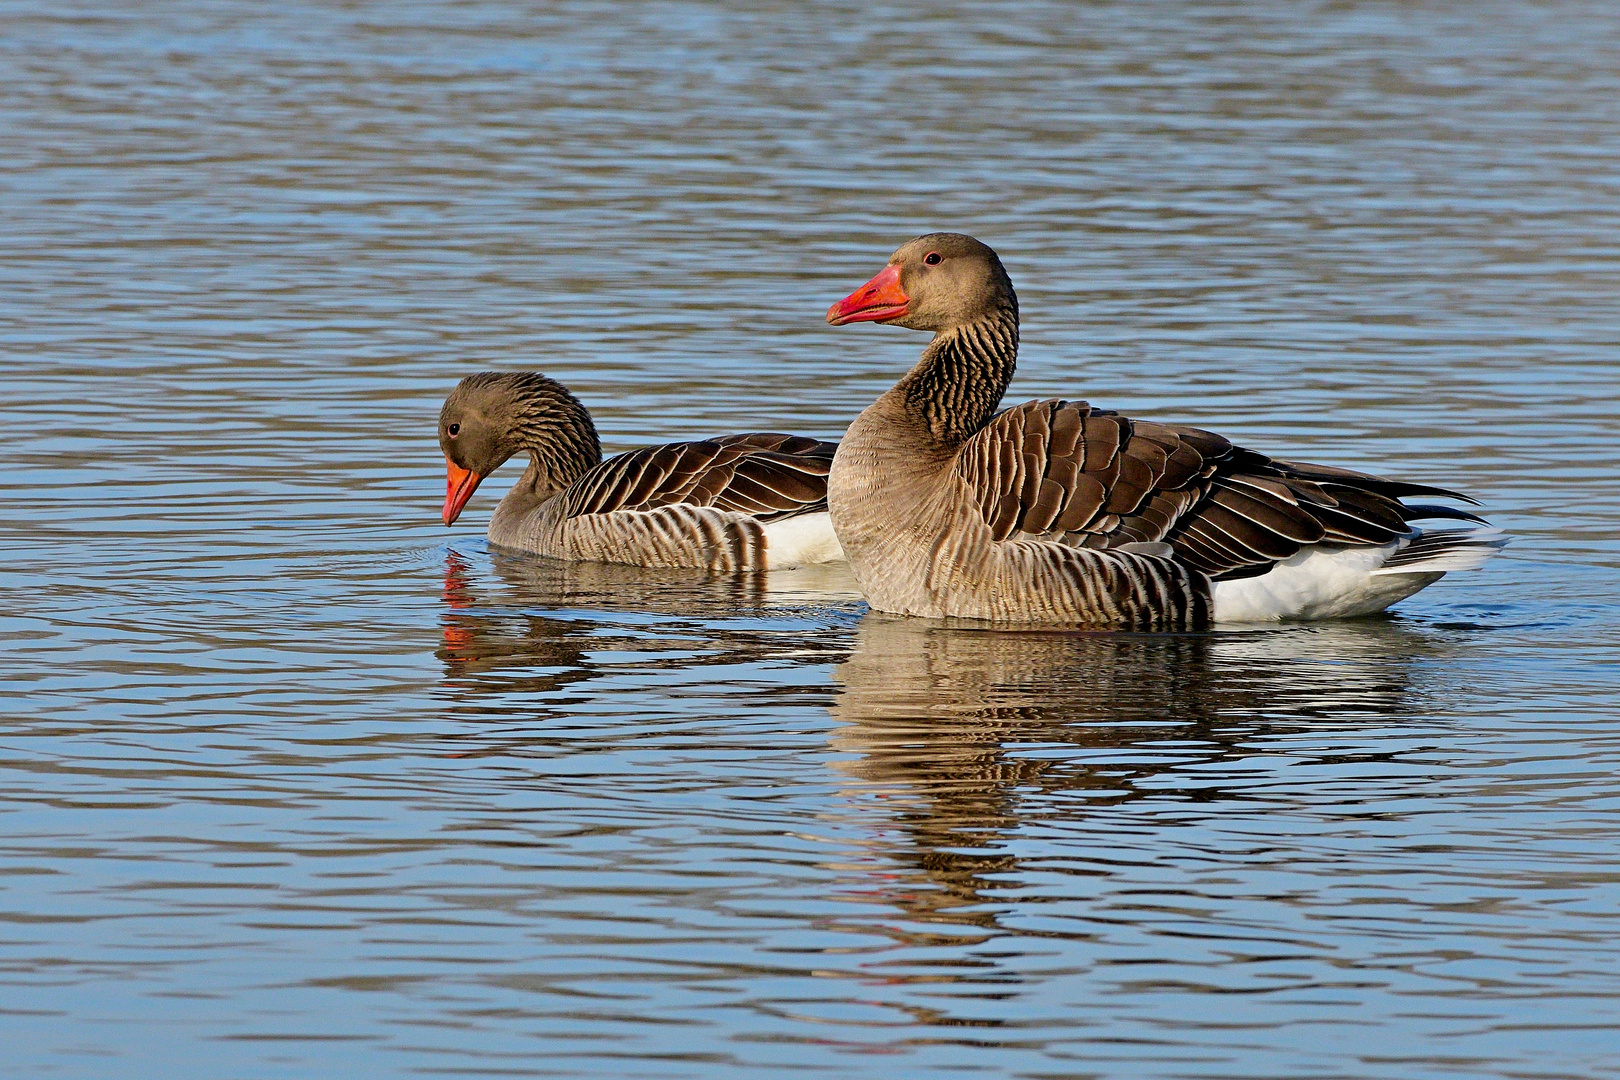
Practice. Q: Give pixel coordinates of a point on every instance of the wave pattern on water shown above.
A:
(292, 783)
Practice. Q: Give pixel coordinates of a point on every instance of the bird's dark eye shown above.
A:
(454, 429)
(932, 258)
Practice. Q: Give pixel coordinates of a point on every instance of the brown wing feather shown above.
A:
(767, 475)
(1065, 472)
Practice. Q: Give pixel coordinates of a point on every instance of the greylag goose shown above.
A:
(742, 502)
(1055, 512)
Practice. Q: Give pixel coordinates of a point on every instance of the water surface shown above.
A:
(296, 782)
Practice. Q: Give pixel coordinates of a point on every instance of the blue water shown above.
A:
(295, 782)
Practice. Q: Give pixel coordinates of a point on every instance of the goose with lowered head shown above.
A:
(736, 503)
(1056, 512)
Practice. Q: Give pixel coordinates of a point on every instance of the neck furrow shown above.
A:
(962, 375)
(561, 443)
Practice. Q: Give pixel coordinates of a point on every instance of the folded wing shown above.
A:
(769, 476)
(1064, 472)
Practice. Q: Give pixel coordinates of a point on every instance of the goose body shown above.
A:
(736, 503)
(1055, 512)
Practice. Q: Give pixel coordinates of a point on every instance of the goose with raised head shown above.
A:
(1055, 512)
(736, 503)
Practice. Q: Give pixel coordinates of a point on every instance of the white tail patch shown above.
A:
(801, 540)
(1341, 583)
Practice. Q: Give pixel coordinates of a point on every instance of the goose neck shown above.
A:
(956, 386)
(561, 441)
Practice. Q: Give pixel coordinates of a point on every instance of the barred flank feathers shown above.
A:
(683, 535)
(1121, 589)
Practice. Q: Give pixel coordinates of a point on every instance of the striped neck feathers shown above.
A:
(503, 414)
(962, 375)
(559, 436)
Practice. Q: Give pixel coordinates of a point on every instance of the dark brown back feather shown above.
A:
(1065, 472)
(767, 475)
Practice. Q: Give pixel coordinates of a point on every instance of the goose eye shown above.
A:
(932, 258)
(454, 429)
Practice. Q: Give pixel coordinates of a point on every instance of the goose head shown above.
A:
(936, 282)
(492, 416)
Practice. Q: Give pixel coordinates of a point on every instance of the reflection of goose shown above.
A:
(957, 729)
(1054, 512)
(530, 653)
(680, 591)
(741, 502)
(537, 627)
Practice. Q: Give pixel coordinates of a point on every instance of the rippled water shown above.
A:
(293, 782)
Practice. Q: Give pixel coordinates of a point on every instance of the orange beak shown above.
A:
(458, 488)
(879, 300)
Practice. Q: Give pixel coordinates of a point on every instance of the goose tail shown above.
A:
(1444, 551)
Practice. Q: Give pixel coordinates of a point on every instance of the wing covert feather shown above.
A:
(767, 475)
(1065, 472)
